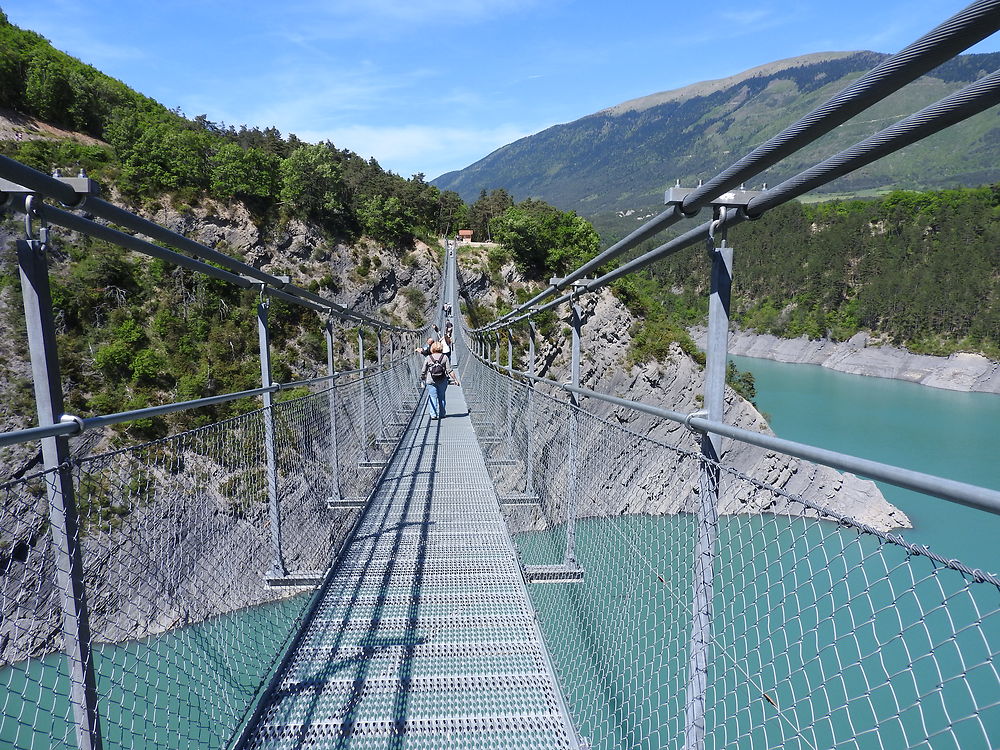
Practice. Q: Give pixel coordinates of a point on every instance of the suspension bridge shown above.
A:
(340, 570)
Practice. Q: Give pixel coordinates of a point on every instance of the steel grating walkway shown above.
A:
(424, 636)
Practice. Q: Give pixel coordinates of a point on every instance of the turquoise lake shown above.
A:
(947, 433)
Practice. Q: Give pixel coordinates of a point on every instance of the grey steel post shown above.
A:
(708, 497)
(572, 498)
(380, 386)
(496, 363)
(331, 370)
(529, 458)
(453, 302)
(361, 382)
(510, 385)
(274, 509)
(31, 258)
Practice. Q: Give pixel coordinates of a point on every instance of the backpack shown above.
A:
(438, 369)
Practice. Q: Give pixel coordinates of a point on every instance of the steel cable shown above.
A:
(971, 100)
(974, 23)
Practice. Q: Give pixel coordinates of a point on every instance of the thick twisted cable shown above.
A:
(973, 99)
(975, 23)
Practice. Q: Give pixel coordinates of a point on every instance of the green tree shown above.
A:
(386, 220)
(243, 173)
(453, 213)
(164, 158)
(47, 91)
(544, 240)
(487, 207)
(312, 186)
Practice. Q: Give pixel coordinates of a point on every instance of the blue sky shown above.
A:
(434, 85)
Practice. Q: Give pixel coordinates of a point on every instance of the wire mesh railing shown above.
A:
(177, 540)
(826, 632)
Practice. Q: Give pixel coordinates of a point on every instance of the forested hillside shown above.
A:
(921, 269)
(147, 151)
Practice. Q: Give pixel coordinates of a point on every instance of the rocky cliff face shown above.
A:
(295, 248)
(676, 384)
(306, 254)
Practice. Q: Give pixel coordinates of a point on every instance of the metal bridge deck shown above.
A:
(424, 636)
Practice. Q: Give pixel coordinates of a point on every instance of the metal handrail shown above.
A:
(973, 99)
(971, 495)
(73, 425)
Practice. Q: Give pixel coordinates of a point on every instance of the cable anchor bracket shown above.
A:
(83, 186)
(738, 199)
(700, 414)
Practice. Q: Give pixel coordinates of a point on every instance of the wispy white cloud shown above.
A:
(884, 37)
(71, 28)
(427, 11)
(744, 18)
(326, 20)
(295, 91)
(408, 149)
(726, 27)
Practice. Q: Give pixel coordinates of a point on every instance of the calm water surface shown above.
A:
(948, 433)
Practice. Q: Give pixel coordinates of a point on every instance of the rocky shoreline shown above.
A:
(675, 382)
(859, 355)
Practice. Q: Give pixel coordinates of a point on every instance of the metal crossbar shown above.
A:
(825, 632)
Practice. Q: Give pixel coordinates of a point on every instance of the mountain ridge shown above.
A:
(621, 158)
(703, 88)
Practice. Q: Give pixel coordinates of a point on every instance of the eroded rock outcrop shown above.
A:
(676, 384)
(861, 355)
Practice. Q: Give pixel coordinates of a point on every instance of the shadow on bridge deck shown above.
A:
(423, 636)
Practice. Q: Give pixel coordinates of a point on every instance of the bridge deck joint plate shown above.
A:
(571, 573)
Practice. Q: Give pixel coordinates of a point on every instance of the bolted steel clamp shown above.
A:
(738, 199)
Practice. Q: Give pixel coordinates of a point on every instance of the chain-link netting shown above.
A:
(825, 632)
(190, 545)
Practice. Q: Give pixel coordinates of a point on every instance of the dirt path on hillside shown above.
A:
(17, 127)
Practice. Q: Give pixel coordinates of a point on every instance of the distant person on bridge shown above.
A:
(425, 350)
(436, 375)
(445, 340)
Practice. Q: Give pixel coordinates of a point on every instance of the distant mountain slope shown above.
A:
(623, 157)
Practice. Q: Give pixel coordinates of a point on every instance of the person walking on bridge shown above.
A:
(436, 375)
(425, 350)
